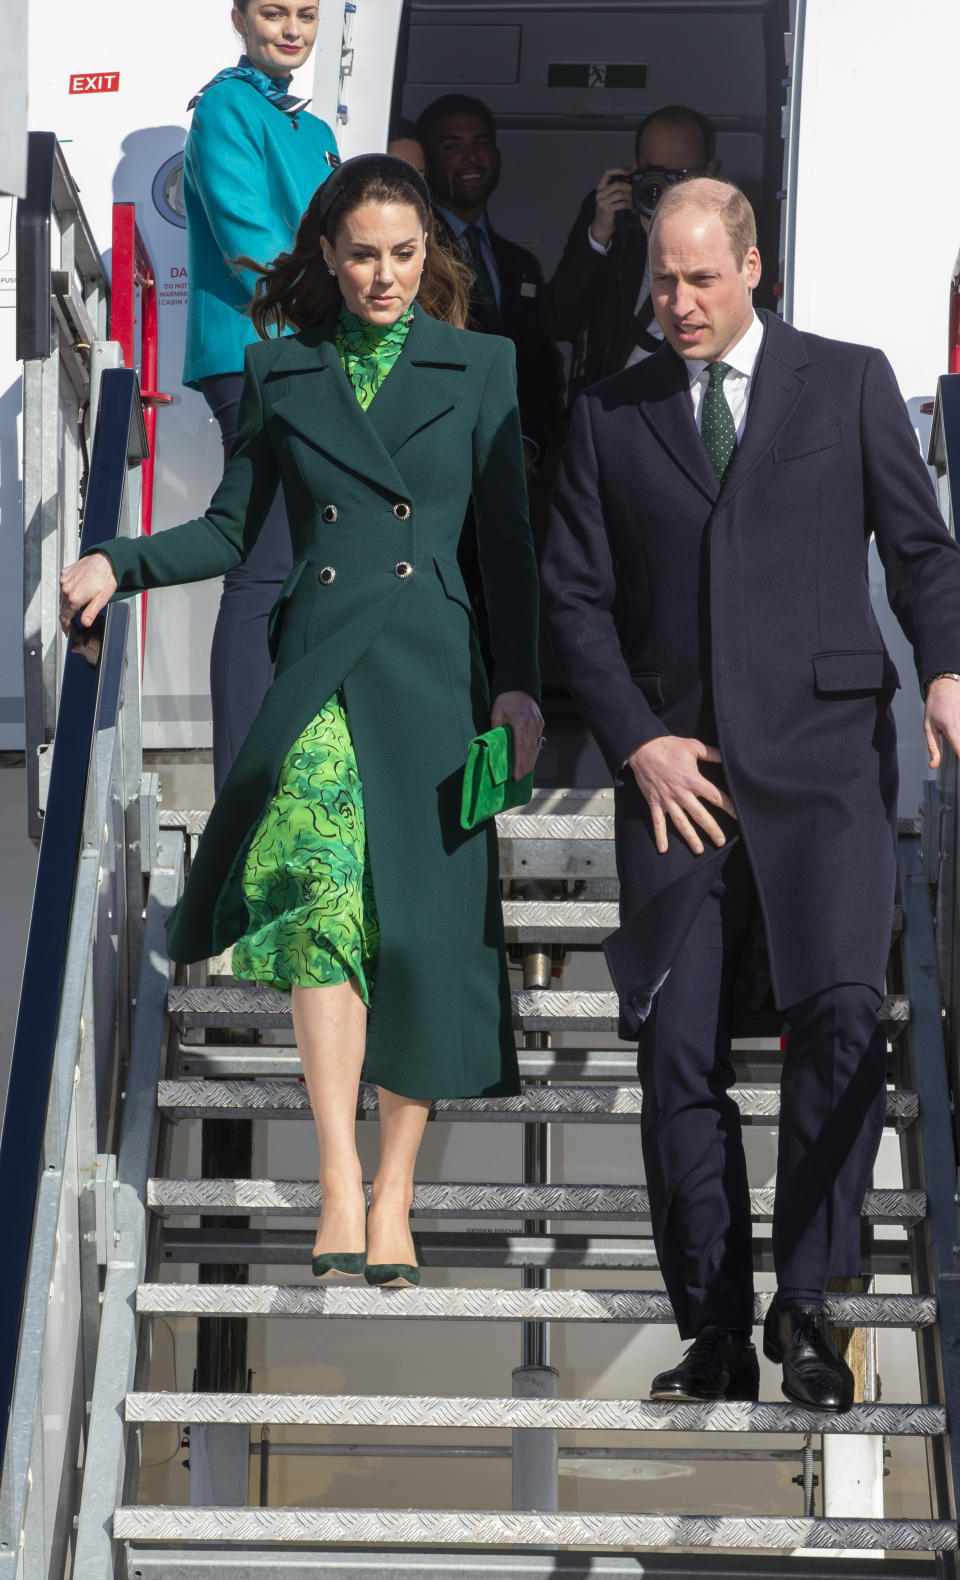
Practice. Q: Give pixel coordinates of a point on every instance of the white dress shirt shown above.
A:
(741, 361)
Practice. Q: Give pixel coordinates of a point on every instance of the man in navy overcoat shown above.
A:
(708, 598)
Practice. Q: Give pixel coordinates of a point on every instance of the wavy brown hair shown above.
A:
(297, 290)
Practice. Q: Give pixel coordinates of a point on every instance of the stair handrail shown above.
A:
(48, 1046)
(62, 308)
(134, 282)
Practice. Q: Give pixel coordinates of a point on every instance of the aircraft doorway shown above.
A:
(568, 84)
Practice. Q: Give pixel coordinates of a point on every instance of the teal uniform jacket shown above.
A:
(248, 174)
(375, 603)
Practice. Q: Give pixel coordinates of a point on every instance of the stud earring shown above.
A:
(332, 273)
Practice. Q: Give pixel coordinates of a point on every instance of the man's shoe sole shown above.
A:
(705, 1398)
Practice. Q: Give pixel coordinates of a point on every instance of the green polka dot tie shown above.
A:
(717, 427)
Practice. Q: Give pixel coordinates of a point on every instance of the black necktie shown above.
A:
(717, 428)
(485, 294)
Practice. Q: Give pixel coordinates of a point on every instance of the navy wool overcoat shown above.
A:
(375, 603)
(740, 614)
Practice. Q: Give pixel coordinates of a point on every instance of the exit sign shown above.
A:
(581, 74)
(95, 82)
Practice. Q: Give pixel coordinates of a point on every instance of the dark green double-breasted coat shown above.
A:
(375, 603)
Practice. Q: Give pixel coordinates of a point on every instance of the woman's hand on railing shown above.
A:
(86, 586)
(519, 709)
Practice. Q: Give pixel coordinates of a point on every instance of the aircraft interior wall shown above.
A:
(723, 58)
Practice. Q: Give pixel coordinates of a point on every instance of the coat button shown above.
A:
(402, 569)
(329, 513)
(327, 575)
(402, 510)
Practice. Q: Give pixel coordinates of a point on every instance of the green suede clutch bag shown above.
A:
(488, 783)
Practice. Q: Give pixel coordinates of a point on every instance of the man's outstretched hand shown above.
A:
(667, 769)
(941, 717)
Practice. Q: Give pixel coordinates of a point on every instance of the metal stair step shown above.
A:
(479, 1248)
(754, 1066)
(491, 1305)
(288, 1099)
(490, 1528)
(569, 922)
(532, 844)
(443, 1199)
(609, 1415)
(540, 1009)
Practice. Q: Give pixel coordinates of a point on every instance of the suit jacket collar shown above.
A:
(420, 388)
(777, 383)
(668, 409)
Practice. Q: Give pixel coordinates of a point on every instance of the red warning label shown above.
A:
(95, 82)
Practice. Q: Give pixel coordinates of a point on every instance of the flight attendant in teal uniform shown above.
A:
(253, 159)
(333, 860)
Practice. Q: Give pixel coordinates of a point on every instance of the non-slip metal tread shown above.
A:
(559, 921)
(198, 1098)
(414, 1528)
(537, 1009)
(492, 1305)
(610, 1415)
(438, 1199)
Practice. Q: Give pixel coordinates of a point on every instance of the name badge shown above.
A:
(528, 288)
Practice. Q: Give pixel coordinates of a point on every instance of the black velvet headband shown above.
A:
(386, 165)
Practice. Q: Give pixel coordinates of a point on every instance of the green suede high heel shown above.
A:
(391, 1275)
(339, 1264)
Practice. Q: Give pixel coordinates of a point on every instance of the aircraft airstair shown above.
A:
(123, 1068)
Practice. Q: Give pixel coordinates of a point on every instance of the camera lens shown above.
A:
(648, 189)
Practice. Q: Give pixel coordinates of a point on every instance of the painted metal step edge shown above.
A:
(541, 1009)
(491, 1305)
(198, 1098)
(453, 1528)
(616, 1066)
(262, 1061)
(473, 1248)
(437, 1199)
(610, 1415)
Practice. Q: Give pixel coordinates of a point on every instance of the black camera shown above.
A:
(649, 186)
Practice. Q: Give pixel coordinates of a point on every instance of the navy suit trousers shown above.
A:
(240, 666)
(833, 1100)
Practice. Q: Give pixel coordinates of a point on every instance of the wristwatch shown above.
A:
(945, 674)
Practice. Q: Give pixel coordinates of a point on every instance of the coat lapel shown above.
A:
(319, 403)
(422, 385)
(670, 414)
(777, 385)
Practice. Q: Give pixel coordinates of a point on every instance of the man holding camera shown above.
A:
(599, 298)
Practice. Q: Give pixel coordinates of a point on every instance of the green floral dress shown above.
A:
(306, 880)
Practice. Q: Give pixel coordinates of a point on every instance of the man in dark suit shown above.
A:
(707, 590)
(459, 138)
(599, 297)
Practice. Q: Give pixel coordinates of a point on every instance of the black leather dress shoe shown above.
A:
(716, 1366)
(814, 1372)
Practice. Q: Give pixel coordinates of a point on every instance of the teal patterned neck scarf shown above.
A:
(369, 351)
(272, 88)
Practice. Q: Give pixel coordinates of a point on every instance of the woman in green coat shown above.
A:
(333, 859)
